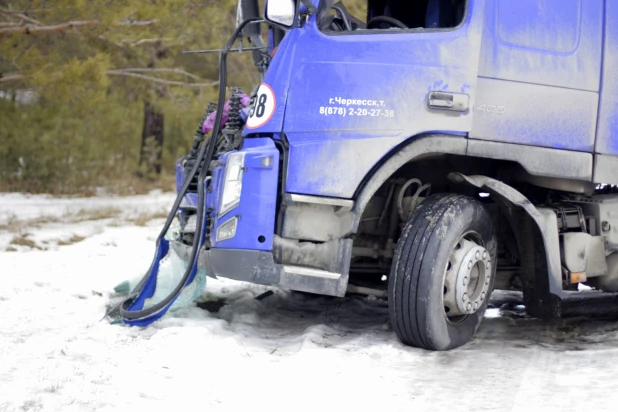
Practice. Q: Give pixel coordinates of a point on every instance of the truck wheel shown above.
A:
(442, 273)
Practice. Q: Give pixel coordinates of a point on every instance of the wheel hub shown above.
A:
(467, 279)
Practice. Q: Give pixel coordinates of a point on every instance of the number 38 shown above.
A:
(258, 109)
(262, 107)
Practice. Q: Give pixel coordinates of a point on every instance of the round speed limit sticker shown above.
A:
(263, 107)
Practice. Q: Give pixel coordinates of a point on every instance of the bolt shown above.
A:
(469, 307)
(465, 281)
(488, 266)
(476, 305)
(464, 297)
(470, 265)
(478, 255)
(484, 255)
(487, 280)
(483, 296)
(606, 226)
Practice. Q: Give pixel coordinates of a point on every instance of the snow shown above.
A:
(286, 352)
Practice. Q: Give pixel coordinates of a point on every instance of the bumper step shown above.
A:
(310, 280)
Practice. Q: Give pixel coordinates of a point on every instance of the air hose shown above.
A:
(204, 157)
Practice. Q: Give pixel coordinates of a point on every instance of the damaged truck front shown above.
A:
(423, 151)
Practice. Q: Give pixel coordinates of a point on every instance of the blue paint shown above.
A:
(535, 115)
(541, 62)
(548, 42)
(277, 77)
(151, 284)
(258, 199)
(331, 154)
(149, 289)
(533, 43)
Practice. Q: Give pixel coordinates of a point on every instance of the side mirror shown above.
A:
(281, 12)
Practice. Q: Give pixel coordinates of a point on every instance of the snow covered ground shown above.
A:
(60, 258)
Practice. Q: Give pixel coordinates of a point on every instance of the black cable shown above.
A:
(206, 152)
(343, 17)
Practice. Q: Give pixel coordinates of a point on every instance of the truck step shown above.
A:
(311, 280)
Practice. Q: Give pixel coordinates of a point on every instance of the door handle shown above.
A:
(455, 102)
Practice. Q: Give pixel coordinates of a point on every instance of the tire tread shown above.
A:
(406, 310)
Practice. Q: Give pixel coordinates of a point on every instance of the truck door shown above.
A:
(540, 73)
(356, 94)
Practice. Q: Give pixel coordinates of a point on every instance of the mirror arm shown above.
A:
(311, 9)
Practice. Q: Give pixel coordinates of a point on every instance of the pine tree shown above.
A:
(77, 77)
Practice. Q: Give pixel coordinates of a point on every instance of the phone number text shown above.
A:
(353, 111)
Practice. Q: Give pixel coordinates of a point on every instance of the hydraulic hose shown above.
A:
(206, 152)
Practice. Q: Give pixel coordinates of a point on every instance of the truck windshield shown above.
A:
(355, 15)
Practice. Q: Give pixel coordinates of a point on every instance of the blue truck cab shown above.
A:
(427, 152)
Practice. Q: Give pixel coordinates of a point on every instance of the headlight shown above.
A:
(232, 184)
(227, 230)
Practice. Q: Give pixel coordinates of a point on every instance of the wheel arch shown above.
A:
(414, 148)
(536, 233)
(540, 166)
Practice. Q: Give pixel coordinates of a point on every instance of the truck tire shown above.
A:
(442, 272)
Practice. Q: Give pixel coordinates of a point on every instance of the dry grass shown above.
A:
(129, 184)
(85, 215)
(14, 225)
(22, 240)
(134, 185)
(143, 218)
(71, 241)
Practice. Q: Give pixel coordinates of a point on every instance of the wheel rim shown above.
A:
(467, 278)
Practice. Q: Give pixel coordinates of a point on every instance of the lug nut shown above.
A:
(465, 281)
(483, 296)
(484, 255)
(476, 305)
(488, 266)
(487, 280)
(470, 265)
(478, 255)
(464, 297)
(469, 307)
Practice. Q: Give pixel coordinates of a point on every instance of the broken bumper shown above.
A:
(259, 267)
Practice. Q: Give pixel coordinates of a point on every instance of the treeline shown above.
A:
(82, 80)
(77, 78)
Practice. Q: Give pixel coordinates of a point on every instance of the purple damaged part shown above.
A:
(209, 123)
